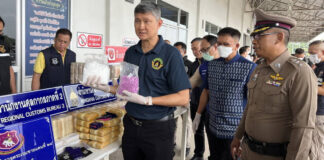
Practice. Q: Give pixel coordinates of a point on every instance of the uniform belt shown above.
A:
(264, 148)
(140, 122)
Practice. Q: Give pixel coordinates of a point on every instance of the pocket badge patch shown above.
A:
(54, 61)
(157, 63)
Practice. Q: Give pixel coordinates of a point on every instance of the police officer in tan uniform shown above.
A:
(279, 118)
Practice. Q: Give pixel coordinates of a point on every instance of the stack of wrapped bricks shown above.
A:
(79, 121)
(109, 131)
(62, 126)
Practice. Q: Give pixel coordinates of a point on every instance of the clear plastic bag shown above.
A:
(96, 65)
(129, 80)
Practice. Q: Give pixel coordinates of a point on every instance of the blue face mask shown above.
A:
(207, 57)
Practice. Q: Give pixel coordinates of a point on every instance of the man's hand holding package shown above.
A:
(135, 98)
(94, 82)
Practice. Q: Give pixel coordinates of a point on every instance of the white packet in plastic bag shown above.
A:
(97, 66)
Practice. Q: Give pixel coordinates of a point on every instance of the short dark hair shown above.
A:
(317, 42)
(148, 7)
(210, 39)
(299, 51)
(196, 39)
(1, 20)
(243, 49)
(183, 45)
(63, 31)
(230, 31)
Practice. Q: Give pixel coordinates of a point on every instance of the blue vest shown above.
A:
(56, 73)
(4, 74)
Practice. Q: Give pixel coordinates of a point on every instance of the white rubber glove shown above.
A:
(136, 98)
(93, 82)
(196, 122)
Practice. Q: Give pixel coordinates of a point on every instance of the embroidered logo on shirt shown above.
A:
(54, 61)
(2, 49)
(157, 63)
(276, 77)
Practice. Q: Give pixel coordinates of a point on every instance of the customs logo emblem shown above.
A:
(157, 63)
(10, 142)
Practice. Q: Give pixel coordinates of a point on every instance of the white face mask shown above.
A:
(314, 58)
(224, 51)
(301, 58)
(207, 57)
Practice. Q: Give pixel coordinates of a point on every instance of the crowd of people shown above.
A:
(263, 106)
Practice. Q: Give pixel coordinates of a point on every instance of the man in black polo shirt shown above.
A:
(149, 123)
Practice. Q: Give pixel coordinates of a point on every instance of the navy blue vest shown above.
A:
(4, 75)
(56, 73)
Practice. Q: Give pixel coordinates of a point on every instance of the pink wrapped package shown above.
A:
(128, 83)
(129, 80)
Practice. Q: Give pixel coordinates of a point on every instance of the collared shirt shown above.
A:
(282, 101)
(161, 72)
(188, 66)
(39, 65)
(196, 64)
(226, 83)
(319, 72)
(306, 59)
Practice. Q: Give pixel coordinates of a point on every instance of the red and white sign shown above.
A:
(115, 54)
(89, 40)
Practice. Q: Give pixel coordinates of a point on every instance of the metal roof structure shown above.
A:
(309, 15)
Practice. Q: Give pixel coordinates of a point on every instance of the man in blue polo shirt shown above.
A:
(225, 92)
(163, 84)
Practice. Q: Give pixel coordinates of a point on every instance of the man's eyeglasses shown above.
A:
(258, 36)
(204, 50)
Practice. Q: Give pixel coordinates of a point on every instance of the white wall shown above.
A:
(213, 11)
(120, 21)
(189, 6)
(90, 17)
